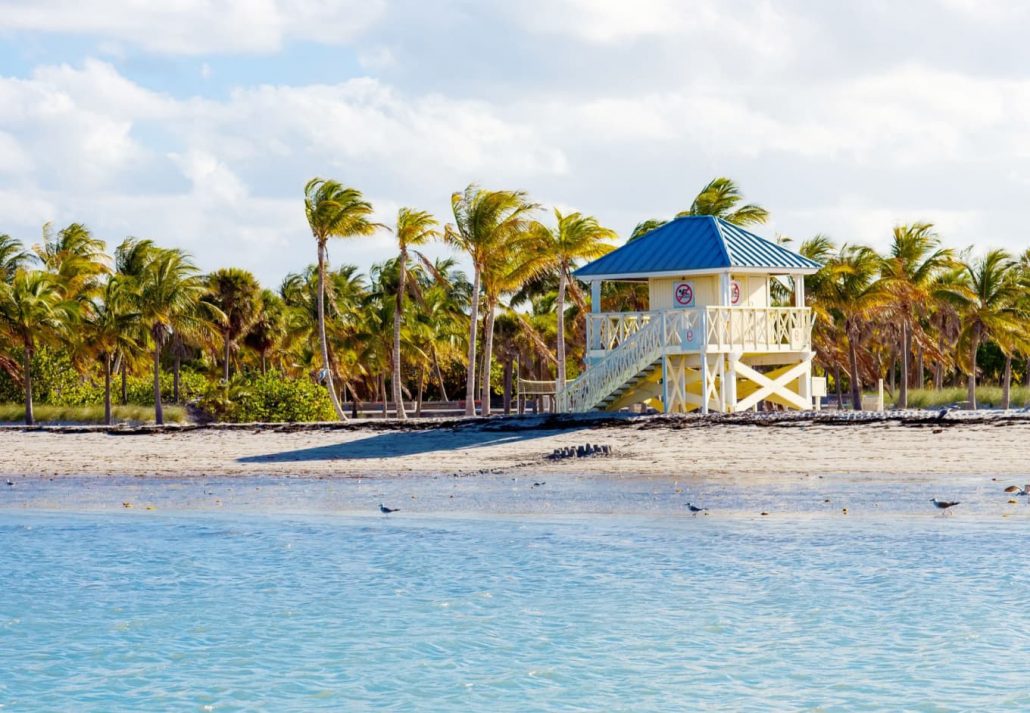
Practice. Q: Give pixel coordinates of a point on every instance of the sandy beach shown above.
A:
(732, 450)
(748, 467)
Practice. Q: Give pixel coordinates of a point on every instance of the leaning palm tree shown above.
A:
(414, 228)
(33, 310)
(574, 237)
(908, 274)
(483, 221)
(333, 211)
(168, 299)
(237, 294)
(990, 311)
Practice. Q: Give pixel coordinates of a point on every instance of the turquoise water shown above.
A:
(215, 612)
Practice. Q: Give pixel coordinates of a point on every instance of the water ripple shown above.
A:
(233, 613)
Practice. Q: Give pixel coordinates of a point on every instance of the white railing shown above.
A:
(768, 329)
(634, 354)
(638, 339)
(607, 330)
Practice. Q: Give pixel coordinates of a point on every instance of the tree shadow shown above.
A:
(396, 444)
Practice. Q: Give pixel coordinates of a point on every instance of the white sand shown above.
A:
(735, 452)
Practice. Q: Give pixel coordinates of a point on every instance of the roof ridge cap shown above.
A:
(722, 239)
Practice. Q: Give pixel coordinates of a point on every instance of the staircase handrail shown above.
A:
(632, 356)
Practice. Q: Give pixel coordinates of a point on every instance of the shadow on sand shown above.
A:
(395, 444)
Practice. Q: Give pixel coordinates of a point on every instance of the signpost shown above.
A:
(683, 294)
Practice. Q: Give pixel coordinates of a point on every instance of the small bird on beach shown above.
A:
(1016, 490)
(943, 504)
(10, 482)
(695, 509)
(385, 510)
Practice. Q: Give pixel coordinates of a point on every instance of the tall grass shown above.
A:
(15, 413)
(986, 397)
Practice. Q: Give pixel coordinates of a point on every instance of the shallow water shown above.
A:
(234, 611)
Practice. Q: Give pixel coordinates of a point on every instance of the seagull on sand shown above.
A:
(695, 509)
(385, 510)
(943, 504)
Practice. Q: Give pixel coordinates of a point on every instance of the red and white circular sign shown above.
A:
(734, 293)
(684, 294)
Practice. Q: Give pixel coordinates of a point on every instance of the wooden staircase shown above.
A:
(645, 386)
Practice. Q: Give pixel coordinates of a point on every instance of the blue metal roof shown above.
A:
(696, 243)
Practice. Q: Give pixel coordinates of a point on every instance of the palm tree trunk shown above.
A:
(159, 413)
(920, 369)
(836, 380)
(971, 396)
(439, 375)
(906, 351)
(856, 381)
(508, 364)
(264, 362)
(470, 379)
(560, 306)
(1006, 387)
(125, 386)
(225, 369)
(421, 389)
(398, 396)
(354, 400)
(382, 392)
(107, 389)
(30, 416)
(321, 334)
(488, 349)
(176, 397)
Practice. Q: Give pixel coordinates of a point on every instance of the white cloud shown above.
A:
(196, 26)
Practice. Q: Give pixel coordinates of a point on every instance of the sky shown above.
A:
(197, 122)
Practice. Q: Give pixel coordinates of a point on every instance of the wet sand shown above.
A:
(657, 466)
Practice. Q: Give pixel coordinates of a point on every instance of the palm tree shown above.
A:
(516, 260)
(269, 328)
(333, 211)
(852, 294)
(109, 329)
(908, 274)
(169, 300)
(76, 258)
(131, 258)
(33, 310)
(12, 257)
(574, 237)
(483, 221)
(990, 311)
(413, 228)
(720, 198)
(237, 294)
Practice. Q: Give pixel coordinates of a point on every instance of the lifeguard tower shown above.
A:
(712, 339)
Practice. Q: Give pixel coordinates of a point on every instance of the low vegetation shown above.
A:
(47, 414)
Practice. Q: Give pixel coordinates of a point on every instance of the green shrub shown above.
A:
(269, 397)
